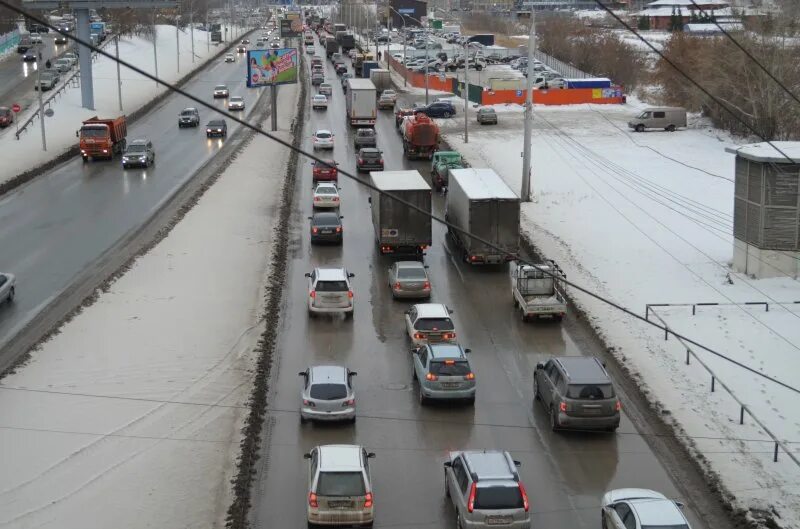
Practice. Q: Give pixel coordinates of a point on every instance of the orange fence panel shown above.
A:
(556, 96)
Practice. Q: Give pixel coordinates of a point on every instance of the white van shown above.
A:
(667, 118)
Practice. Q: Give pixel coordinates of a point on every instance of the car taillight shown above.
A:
(397, 286)
(338, 229)
(426, 285)
(368, 500)
(524, 494)
(471, 500)
(449, 336)
(314, 230)
(618, 406)
(469, 376)
(312, 500)
(317, 199)
(351, 402)
(313, 293)
(418, 336)
(350, 294)
(562, 406)
(431, 376)
(361, 160)
(309, 403)
(380, 161)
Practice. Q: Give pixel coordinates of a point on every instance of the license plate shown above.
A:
(340, 504)
(499, 520)
(450, 384)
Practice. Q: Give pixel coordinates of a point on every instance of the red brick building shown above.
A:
(660, 12)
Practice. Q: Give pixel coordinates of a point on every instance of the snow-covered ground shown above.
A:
(131, 416)
(647, 218)
(136, 91)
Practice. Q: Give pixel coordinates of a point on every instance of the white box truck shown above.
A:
(401, 231)
(481, 203)
(361, 103)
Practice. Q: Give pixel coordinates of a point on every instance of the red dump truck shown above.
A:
(102, 138)
(420, 137)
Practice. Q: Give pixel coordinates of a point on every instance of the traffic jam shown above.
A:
(399, 314)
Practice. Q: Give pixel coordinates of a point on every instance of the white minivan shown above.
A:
(667, 118)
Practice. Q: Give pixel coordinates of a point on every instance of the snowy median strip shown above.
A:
(131, 416)
(647, 218)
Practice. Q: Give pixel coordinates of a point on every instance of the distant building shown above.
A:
(407, 12)
(661, 13)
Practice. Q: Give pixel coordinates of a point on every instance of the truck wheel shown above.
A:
(85, 159)
(671, 128)
(639, 128)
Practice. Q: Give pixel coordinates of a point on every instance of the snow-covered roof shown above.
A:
(482, 184)
(764, 152)
(685, 11)
(712, 28)
(399, 180)
(711, 4)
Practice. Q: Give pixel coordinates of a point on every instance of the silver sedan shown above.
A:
(409, 279)
(7, 287)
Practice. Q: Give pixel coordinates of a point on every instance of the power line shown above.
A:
(749, 55)
(741, 120)
(359, 181)
(295, 411)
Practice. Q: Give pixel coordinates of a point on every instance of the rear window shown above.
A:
(341, 484)
(590, 391)
(434, 324)
(679, 526)
(456, 369)
(331, 286)
(498, 498)
(322, 135)
(328, 391)
(411, 273)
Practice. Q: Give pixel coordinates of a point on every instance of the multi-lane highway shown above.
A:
(17, 76)
(565, 474)
(55, 227)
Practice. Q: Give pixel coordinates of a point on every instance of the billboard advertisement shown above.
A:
(291, 27)
(268, 67)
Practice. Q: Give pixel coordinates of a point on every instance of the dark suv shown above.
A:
(189, 117)
(369, 159)
(439, 109)
(578, 392)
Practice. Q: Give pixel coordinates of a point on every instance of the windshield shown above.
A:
(498, 497)
(187, 113)
(448, 369)
(434, 324)
(411, 273)
(220, 87)
(590, 391)
(136, 148)
(340, 484)
(91, 132)
(331, 286)
(328, 391)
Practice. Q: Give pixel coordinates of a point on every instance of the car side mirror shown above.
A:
(425, 266)
(309, 218)
(679, 504)
(540, 365)
(467, 351)
(370, 455)
(308, 274)
(406, 311)
(517, 463)
(415, 351)
(369, 199)
(341, 216)
(77, 133)
(306, 456)
(352, 374)
(448, 464)
(351, 274)
(302, 374)
(449, 311)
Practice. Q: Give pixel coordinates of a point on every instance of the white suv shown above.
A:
(340, 486)
(330, 291)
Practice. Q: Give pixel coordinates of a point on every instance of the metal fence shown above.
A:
(9, 41)
(566, 70)
(650, 311)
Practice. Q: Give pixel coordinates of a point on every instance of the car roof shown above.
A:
(491, 465)
(629, 494)
(369, 150)
(216, 122)
(237, 97)
(658, 512)
(326, 184)
(446, 350)
(583, 369)
(193, 109)
(221, 86)
(432, 310)
(323, 130)
(328, 374)
(331, 274)
(339, 458)
(320, 96)
(139, 141)
(409, 264)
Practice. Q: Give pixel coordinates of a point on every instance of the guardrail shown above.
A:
(650, 310)
(68, 82)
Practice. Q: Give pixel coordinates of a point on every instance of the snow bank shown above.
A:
(136, 91)
(647, 218)
(131, 416)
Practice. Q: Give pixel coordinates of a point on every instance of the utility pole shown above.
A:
(525, 193)
(208, 33)
(177, 43)
(39, 89)
(427, 63)
(155, 45)
(466, 95)
(191, 26)
(119, 79)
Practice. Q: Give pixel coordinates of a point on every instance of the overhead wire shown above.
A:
(287, 144)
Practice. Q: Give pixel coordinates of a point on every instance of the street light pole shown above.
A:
(466, 95)
(119, 79)
(39, 88)
(155, 45)
(525, 192)
(427, 63)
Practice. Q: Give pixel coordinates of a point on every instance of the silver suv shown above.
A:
(327, 394)
(443, 373)
(485, 490)
(340, 486)
(329, 291)
(577, 392)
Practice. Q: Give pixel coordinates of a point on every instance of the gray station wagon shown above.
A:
(577, 392)
(443, 373)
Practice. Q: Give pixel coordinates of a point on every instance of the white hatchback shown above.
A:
(236, 103)
(319, 101)
(326, 195)
(323, 139)
(641, 508)
(430, 323)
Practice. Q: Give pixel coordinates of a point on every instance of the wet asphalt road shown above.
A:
(61, 222)
(565, 473)
(17, 77)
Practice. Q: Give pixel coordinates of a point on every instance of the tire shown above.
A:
(446, 488)
(11, 294)
(671, 128)
(446, 114)
(553, 420)
(85, 159)
(312, 525)
(536, 395)
(422, 399)
(471, 401)
(639, 128)
(414, 374)
(459, 523)
(303, 420)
